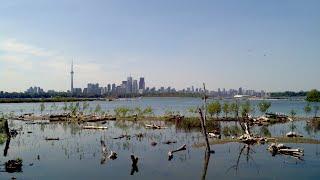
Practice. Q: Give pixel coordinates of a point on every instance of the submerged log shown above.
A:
(13, 166)
(52, 139)
(182, 148)
(169, 142)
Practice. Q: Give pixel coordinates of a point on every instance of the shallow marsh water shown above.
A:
(77, 155)
(159, 105)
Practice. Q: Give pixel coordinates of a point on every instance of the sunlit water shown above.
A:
(77, 155)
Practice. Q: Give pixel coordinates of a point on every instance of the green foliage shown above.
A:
(231, 130)
(264, 131)
(264, 106)
(148, 111)
(214, 108)
(121, 111)
(98, 108)
(293, 113)
(65, 107)
(234, 107)
(42, 107)
(226, 109)
(307, 109)
(245, 109)
(313, 96)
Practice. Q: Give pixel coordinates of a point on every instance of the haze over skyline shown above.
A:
(271, 45)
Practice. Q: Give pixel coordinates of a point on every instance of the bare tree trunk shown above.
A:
(206, 163)
(204, 130)
(7, 130)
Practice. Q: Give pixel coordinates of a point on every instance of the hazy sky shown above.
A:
(271, 45)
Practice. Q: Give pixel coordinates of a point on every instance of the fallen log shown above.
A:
(123, 136)
(182, 148)
(293, 134)
(52, 139)
(104, 151)
(95, 127)
(13, 166)
(153, 126)
(282, 149)
(169, 142)
(213, 135)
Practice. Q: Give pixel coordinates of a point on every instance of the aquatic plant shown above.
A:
(234, 107)
(307, 109)
(264, 106)
(214, 108)
(121, 111)
(42, 107)
(246, 109)
(226, 109)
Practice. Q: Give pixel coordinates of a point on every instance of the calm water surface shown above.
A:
(77, 155)
(159, 105)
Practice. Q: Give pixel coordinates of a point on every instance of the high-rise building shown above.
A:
(93, 89)
(135, 86)
(109, 88)
(142, 84)
(113, 88)
(240, 91)
(129, 85)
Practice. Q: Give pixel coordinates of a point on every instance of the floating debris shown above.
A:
(14, 165)
(52, 139)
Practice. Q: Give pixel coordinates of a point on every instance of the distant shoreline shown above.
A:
(75, 99)
(35, 100)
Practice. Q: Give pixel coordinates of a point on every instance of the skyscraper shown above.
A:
(135, 86)
(142, 84)
(71, 90)
(129, 85)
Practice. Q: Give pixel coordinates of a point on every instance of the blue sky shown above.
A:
(272, 45)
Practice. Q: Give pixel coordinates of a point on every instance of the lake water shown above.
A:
(77, 155)
(159, 105)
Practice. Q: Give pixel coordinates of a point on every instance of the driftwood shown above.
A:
(52, 139)
(95, 127)
(105, 153)
(293, 134)
(182, 148)
(123, 136)
(282, 149)
(214, 135)
(153, 126)
(169, 142)
(13, 166)
(134, 165)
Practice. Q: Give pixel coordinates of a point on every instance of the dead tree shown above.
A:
(134, 166)
(7, 130)
(204, 129)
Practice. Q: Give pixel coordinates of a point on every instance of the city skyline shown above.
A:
(258, 45)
